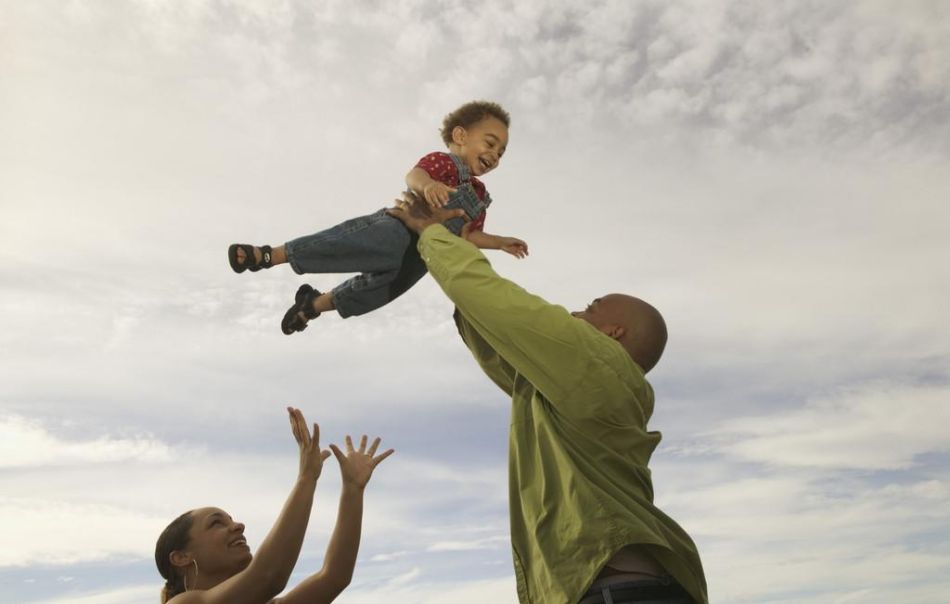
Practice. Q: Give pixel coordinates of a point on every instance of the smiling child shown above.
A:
(377, 245)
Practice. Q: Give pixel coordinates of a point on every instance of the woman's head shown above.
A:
(174, 538)
(203, 545)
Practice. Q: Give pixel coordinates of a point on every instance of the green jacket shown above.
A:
(579, 486)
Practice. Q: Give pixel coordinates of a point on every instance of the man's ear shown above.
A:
(616, 331)
(458, 135)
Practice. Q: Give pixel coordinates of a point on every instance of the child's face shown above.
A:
(481, 145)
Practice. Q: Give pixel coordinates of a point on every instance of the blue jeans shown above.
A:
(377, 245)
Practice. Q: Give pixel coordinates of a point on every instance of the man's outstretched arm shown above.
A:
(562, 356)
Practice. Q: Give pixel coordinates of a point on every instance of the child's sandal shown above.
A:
(250, 263)
(303, 304)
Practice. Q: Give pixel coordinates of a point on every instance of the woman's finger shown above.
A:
(373, 447)
(382, 456)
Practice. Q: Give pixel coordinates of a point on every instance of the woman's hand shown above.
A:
(356, 466)
(311, 457)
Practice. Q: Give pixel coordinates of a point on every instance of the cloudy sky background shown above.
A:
(773, 176)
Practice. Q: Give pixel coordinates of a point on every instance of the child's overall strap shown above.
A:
(467, 198)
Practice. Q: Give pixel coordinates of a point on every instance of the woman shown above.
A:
(204, 557)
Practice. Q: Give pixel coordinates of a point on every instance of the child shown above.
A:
(378, 245)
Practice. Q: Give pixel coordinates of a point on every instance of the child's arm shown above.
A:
(434, 192)
(486, 241)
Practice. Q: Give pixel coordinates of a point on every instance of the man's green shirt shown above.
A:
(579, 486)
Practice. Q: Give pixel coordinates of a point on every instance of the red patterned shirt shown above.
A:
(439, 166)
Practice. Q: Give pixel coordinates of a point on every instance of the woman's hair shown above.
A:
(174, 537)
(471, 113)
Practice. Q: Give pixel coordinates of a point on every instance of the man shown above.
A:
(583, 524)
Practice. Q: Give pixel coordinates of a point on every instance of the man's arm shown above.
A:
(565, 358)
(539, 340)
(495, 367)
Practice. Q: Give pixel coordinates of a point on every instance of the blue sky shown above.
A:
(773, 177)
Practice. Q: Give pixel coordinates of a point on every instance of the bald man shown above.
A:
(583, 525)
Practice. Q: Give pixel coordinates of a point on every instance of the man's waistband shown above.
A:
(634, 587)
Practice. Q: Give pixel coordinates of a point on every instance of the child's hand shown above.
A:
(357, 466)
(514, 246)
(437, 194)
(311, 457)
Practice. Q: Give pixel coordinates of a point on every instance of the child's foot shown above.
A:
(303, 310)
(244, 257)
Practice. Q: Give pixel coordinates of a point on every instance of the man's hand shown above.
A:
(418, 216)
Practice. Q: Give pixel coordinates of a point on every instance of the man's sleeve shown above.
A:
(495, 367)
(564, 358)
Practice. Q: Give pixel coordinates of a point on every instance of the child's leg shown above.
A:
(369, 291)
(368, 244)
(277, 256)
(357, 296)
(377, 245)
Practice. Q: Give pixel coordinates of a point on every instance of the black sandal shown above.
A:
(303, 304)
(251, 263)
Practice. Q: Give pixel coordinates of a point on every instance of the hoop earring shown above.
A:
(184, 577)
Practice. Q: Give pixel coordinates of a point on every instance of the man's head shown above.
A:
(638, 327)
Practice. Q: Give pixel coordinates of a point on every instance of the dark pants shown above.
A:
(624, 589)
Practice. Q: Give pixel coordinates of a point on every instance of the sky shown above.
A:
(772, 176)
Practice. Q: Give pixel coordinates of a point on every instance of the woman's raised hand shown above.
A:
(357, 465)
(311, 457)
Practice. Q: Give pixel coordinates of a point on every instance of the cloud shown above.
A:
(123, 595)
(25, 443)
(65, 533)
(500, 591)
(500, 541)
(877, 426)
(432, 592)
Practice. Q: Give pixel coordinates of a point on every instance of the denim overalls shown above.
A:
(378, 246)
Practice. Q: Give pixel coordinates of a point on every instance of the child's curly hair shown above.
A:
(470, 114)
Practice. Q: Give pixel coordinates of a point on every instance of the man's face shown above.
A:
(603, 313)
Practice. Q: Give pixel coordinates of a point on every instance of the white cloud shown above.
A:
(500, 541)
(123, 595)
(461, 591)
(878, 426)
(64, 532)
(25, 443)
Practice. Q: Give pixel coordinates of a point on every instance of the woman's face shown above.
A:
(218, 543)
